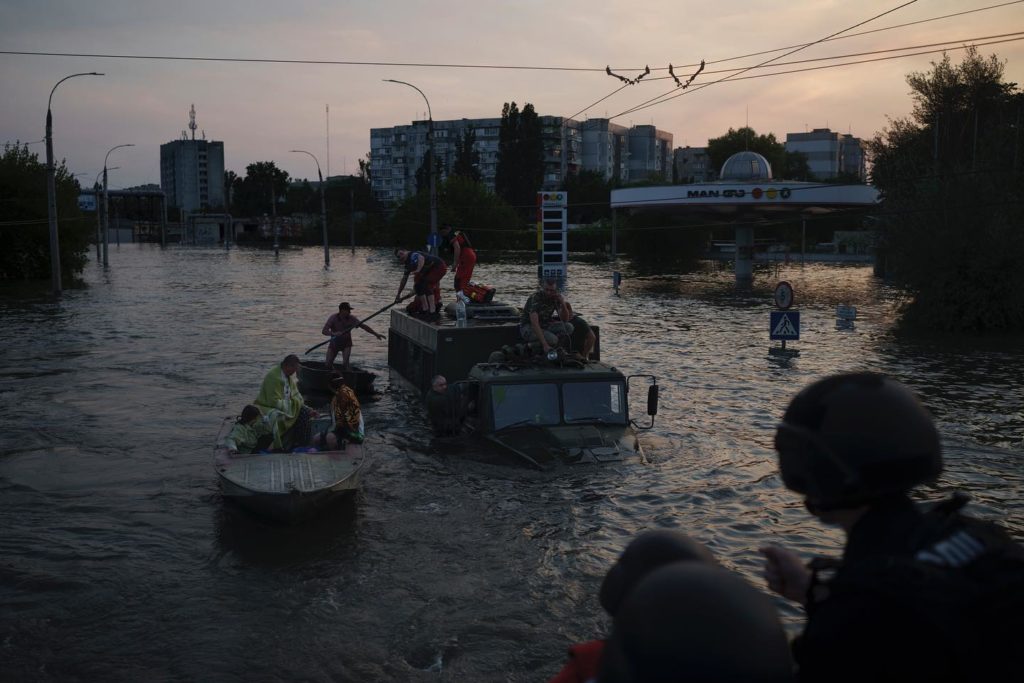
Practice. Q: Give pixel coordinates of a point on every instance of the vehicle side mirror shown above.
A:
(652, 400)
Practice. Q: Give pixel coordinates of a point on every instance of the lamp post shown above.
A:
(51, 187)
(99, 214)
(323, 205)
(106, 203)
(431, 167)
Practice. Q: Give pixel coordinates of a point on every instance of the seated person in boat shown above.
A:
(347, 419)
(281, 403)
(339, 328)
(427, 272)
(246, 433)
(441, 408)
(537, 322)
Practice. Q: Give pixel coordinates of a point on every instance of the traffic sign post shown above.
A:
(784, 324)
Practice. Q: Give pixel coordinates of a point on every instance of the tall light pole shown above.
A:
(99, 213)
(323, 205)
(106, 203)
(431, 166)
(51, 187)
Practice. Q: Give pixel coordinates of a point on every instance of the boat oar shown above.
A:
(352, 327)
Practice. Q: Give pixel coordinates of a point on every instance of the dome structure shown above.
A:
(746, 167)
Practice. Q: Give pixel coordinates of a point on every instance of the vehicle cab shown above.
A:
(543, 413)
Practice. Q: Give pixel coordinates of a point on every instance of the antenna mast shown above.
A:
(192, 121)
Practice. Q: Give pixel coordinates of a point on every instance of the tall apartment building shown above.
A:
(605, 149)
(693, 165)
(569, 147)
(192, 173)
(650, 153)
(828, 153)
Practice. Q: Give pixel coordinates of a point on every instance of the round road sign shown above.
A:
(784, 295)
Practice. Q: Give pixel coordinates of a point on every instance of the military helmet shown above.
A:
(849, 439)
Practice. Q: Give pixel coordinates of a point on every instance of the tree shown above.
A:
(520, 171)
(467, 158)
(24, 228)
(490, 221)
(746, 139)
(589, 197)
(950, 176)
(263, 184)
(795, 167)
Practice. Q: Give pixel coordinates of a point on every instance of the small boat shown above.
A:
(314, 379)
(289, 487)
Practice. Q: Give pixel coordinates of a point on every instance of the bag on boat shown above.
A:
(481, 294)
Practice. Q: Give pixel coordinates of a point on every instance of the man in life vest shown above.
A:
(427, 272)
(920, 594)
(463, 254)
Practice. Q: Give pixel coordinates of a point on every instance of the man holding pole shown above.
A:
(339, 328)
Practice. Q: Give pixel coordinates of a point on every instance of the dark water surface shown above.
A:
(120, 562)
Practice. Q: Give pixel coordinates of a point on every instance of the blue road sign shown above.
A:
(784, 325)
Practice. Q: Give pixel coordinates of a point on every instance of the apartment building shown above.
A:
(829, 153)
(693, 165)
(192, 174)
(569, 147)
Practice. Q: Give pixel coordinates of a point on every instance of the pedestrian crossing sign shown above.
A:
(784, 325)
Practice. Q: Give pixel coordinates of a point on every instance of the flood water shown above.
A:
(119, 561)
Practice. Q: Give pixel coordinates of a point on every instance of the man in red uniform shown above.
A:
(427, 272)
(464, 256)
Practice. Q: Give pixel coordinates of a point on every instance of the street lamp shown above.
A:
(51, 187)
(106, 203)
(323, 205)
(96, 197)
(431, 167)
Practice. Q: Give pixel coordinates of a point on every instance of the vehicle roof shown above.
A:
(496, 372)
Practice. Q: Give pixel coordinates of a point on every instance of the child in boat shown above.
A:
(347, 419)
(246, 433)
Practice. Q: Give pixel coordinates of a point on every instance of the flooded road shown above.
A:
(120, 562)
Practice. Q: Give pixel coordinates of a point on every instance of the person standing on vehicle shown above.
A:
(427, 271)
(928, 595)
(339, 328)
(463, 254)
(536, 322)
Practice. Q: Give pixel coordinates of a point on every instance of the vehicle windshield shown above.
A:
(525, 404)
(594, 402)
(538, 404)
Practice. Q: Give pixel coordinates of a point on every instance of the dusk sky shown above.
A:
(262, 110)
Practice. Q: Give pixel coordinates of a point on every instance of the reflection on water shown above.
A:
(122, 562)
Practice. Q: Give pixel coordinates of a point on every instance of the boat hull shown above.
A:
(290, 487)
(314, 379)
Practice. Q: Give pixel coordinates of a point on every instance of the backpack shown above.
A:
(965, 576)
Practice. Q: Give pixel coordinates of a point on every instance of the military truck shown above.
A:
(518, 405)
(548, 413)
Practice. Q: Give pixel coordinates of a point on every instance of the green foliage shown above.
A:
(795, 167)
(660, 242)
(589, 196)
(490, 222)
(467, 158)
(26, 252)
(746, 139)
(251, 195)
(520, 171)
(953, 232)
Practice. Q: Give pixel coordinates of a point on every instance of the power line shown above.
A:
(652, 101)
(661, 99)
(440, 65)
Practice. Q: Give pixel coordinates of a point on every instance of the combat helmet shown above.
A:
(850, 439)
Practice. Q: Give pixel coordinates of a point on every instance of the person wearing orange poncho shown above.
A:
(347, 419)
